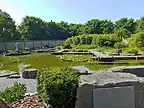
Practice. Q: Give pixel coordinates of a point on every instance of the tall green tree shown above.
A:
(7, 27)
(77, 29)
(125, 27)
(140, 24)
(32, 28)
(94, 26)
(107, 27)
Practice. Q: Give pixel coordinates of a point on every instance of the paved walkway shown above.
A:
(30, 83)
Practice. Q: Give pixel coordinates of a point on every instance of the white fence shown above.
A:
(30, 44)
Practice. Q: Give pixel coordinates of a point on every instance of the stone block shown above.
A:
(104, 79)
(29, 73)
(136, 70)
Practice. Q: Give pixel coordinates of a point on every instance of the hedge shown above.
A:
(102, 40)
(57, 87)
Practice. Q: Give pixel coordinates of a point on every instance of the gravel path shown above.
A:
(30, 83)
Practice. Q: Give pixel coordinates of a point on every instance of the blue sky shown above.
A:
(76, 11)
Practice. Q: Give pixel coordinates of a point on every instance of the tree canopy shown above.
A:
(34, 28)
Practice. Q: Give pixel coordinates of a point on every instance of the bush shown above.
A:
(67, 46)
(137, 40)
(59, 47)
(132, 50)
(119, 45)
(14, 93)
(58, 87)
(142, 48)
(93, 39)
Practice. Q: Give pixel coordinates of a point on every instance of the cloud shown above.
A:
(12, 8)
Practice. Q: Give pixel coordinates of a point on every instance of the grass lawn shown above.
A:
(41, 60)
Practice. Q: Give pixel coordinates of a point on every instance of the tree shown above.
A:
(94, 26)
(32, 28)
(7, 27)
(140, 24)
(107, 27)
(77, 29)
(125, 24)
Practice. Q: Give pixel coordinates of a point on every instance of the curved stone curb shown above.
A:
(7, 73)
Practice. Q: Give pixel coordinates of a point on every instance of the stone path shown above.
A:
(8, 82)
(30, 83)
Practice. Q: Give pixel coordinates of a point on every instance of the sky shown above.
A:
(73, 11)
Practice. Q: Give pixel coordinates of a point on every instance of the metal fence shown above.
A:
(30, 44)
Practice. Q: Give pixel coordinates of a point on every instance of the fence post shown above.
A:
(33, 44)
(55, 42)
(5, 45)
(48, 43)
(24, 44)
(41, 44)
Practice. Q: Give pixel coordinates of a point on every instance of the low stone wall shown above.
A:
(136, 70)
(108, 80)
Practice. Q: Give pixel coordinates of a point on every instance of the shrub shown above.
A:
(58, 87)
(132, 50)
(137, 40)
(59, 47)
(69, 41)
(14, 93)
(67, 46)
(142, 48)
(119, 45)
(102, 42)
(93, 39)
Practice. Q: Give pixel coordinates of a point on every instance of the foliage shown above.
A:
(34, 28)
(126, 26)
(14, 93)
(140, 25)
(132, 50)
(58, 87)
(119, 45)
(7, 27)
(137, 40)
(59, 47)
(67, 46)
(107, 40)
